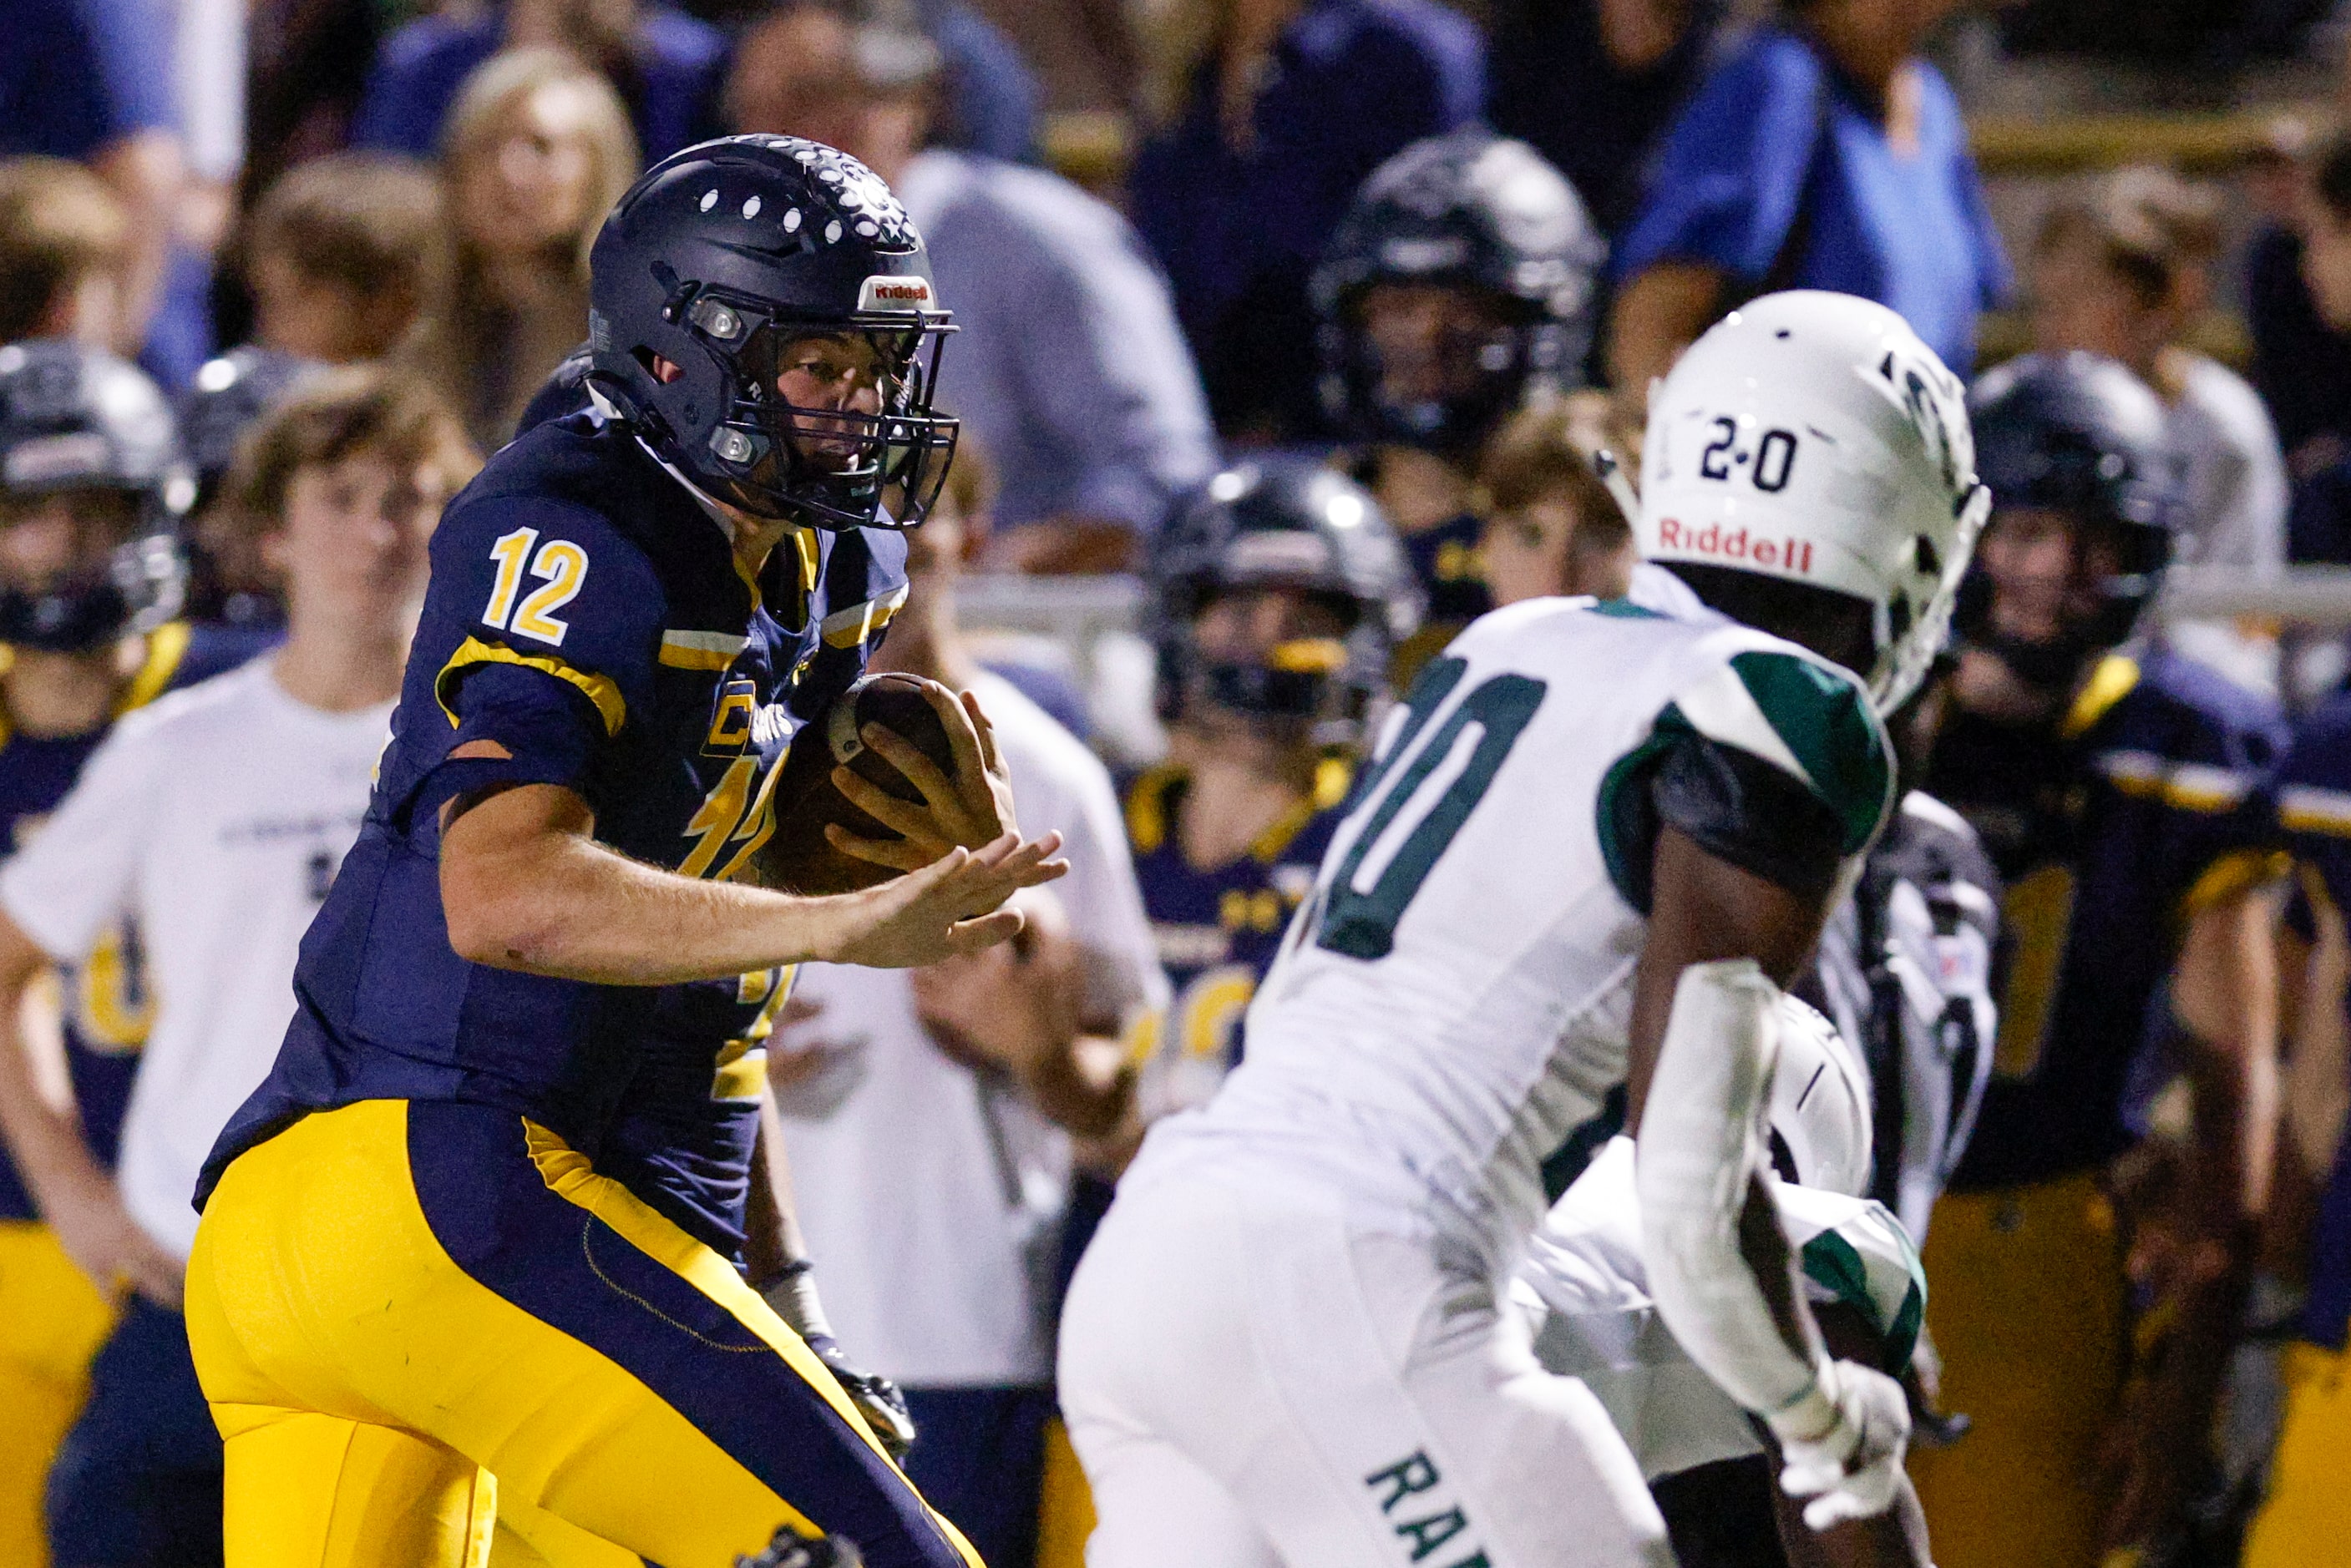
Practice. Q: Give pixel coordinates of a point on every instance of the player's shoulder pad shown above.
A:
(1855, 1251)
(550, 584)
(2180, 734)
(1801, 714)
(865, 585)
(2314, 782)
(1148, 799)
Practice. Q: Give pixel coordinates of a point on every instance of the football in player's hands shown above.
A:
(798, 858)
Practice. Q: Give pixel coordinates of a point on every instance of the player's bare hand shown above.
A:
(1015, 1004)
(950, 906)
(970, 809)
(99, 1234)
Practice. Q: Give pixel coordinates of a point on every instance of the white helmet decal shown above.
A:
(1813, 437)
(1819, 1101)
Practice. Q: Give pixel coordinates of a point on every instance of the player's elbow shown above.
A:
(497, 922)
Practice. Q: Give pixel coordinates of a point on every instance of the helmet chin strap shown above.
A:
(1618, 483)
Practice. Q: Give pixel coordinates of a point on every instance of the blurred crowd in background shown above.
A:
(1152, 222)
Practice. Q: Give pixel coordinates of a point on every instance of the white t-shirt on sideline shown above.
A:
(931, 1195)
(215, 818)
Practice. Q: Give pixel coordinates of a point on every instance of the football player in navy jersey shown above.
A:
(92, 486)
(1458, 289)
(488, 1226)
(2305, 1516)
(2110, 792)
(1279, 594)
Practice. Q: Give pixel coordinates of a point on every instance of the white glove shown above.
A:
(1843, 1443)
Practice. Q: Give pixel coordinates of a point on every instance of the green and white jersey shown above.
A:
(1450, 1003)
(1586, 1297)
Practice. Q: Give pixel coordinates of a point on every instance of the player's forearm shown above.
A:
(41, 1126)
(2224, 1013)
(1660, 312)
(1087, 1088)
(523, 886)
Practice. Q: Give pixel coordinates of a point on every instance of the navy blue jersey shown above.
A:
(1218, 931)
(1445, 560)
(108, 1006)
(587, 615)
(2314, 811)
(2109, 830)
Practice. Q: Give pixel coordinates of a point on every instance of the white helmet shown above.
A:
(1819, 1101)
(1811, 437)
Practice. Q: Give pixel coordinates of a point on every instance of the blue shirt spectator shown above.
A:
(1581, 95)
(79, 74)
(991, 103)
(669, 79)
(1068, 367)
(1240, 221)
(1781, 173)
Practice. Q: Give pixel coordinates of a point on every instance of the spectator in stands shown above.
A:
(65, 242)
(2301, 355)
(1592, 85)
(1822, 153)
(91, 82)
(1267, 121)
(2124, 275)
(216, 819)
(2315, 348)
(1551, 528)
(1068, 365)
(538, 150)
(938, 1248)
(665, 65)
(346, 256)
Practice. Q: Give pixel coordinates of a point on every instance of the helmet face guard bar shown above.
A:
(835, 468)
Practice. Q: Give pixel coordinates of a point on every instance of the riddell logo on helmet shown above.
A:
(1736, 545)
(884, 291)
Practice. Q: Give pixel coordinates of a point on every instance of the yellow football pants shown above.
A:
(52, 1321)
(392, 1303)
(2305, 1523)
(2026, 1306)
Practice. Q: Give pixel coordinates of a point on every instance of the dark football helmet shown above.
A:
(2079, 434)
(78, 419)
(228, 398)
(1282, 522)
(717, 261)
(1479, 213)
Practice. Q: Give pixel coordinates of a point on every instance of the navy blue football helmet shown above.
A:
(2078, 435)
(1280, 521)
(75, 418)
(228, 398)
(1473, 210)
(713, 265)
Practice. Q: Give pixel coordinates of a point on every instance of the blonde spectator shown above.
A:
(65, 242)
(538, 151)
(2124, 275)
(1550, 525)
(346, 256)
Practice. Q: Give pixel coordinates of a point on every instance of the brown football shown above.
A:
(798, 858)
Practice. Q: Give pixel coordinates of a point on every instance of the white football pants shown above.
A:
(1252, 1382)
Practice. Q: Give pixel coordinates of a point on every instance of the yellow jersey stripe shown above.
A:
(848, 627)
(701, 650)
(166, 646)
(599, 689)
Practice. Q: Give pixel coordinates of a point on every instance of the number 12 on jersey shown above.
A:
(561, 564)
(1408, 820)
